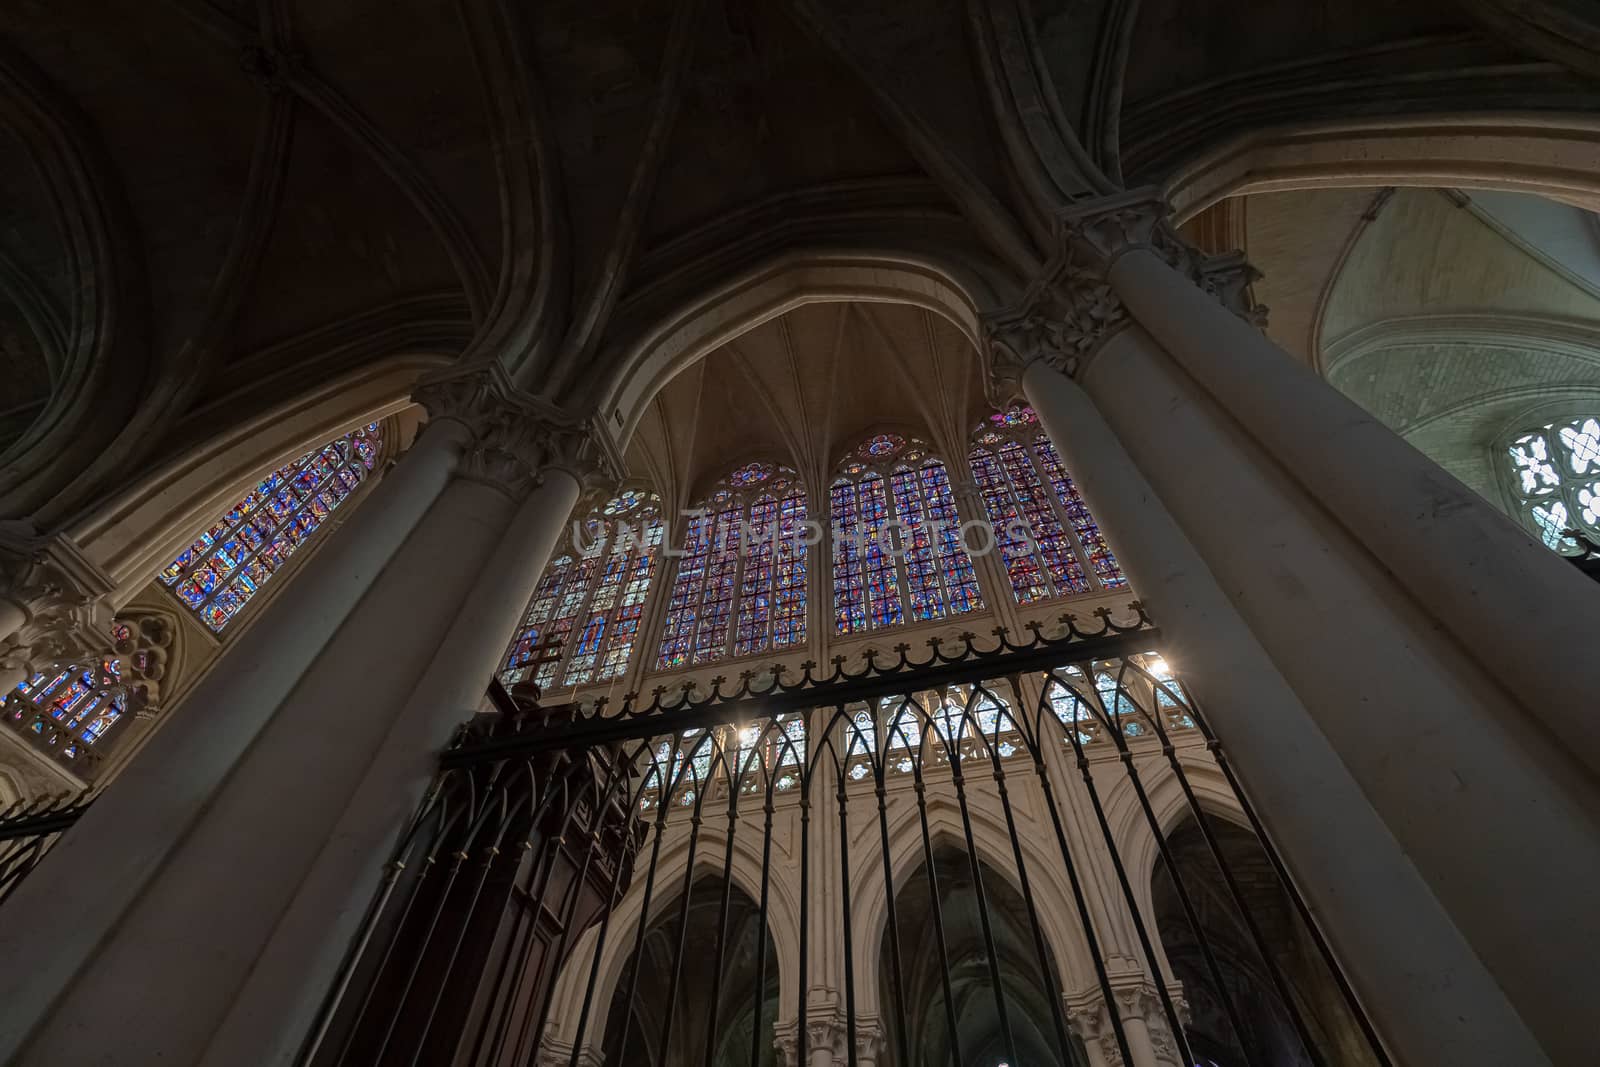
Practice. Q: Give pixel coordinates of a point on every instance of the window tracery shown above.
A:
(1554, 472)
(594, 587)
(897, 549)
(1049, 542)
(73, 705)
(741, 583)
(228, 564)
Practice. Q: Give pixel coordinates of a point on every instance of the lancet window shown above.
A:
(897, 550)
(583, 620)
(1048, 540)
(1554, 472)
(741, 584)
(228, 564)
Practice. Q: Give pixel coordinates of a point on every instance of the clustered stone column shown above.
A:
(244, 844)
(1311, 573)
(828, 1034)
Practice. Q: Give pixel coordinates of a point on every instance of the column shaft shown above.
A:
(270, 1016)
(1521, 611)
(1489, 808)
(211, 910)
(1427, 991)
(99, 870)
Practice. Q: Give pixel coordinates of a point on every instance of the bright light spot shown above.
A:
(1160, 666)
(748, 735)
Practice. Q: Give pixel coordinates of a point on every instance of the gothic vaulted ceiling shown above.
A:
(208, 206)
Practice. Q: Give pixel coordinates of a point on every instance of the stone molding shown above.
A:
(518, 438)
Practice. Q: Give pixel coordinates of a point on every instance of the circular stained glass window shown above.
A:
(883, 445)
(750, 473)
(625, 501)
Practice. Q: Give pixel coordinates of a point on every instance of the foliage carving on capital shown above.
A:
(516, 438)
(1097, 231)
(54, 602)
(1136, 998)
(1062, 321)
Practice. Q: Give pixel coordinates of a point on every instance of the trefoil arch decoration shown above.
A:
(741, 583)
(1553, 472)
(1050, 544)
(227, 565)
(898, 554)
(595, 586)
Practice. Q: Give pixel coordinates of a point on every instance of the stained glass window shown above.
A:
(1555, 481)
(69, 708)
(219, 574)
(897, 550)
(1050, 544)
(583, 620)
(741, 585)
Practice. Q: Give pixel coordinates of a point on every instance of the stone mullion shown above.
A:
(820, 603)
(1031, 451)
(609, 633)
(579, 618)
(994, 580)
(652, 621)
(736, 600)
(898, 558)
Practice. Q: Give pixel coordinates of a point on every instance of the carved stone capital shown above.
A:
(826, 1028)
(1061, 321)
(53, 602)
(1137, 1000)
(1098, 231)
(516, 438)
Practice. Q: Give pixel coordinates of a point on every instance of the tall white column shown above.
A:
(1522, 612)
(96, 873)
(243, 918)
(270, 1015)
(1422, 983)
(1488, 808)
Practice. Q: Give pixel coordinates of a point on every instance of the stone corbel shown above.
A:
(518, 438)
(1229, 278)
